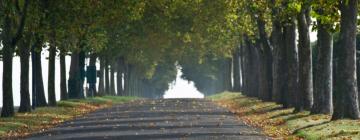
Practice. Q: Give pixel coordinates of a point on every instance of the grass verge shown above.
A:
(280, 123)
(42, 118)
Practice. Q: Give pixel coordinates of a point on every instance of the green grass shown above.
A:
(45, 117)
(282, 123)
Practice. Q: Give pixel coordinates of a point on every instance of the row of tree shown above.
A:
(275, 60)
(279, 63)
(138, 41)
(141, 41)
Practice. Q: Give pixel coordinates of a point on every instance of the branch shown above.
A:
(18, 34)
(17, 7)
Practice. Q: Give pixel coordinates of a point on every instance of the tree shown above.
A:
(323, 68)
(293, 61)
(24, 53)
(119, 76)
(236, 70)
(13, 26)
(280, 64)
(305, 59)
(346, 94)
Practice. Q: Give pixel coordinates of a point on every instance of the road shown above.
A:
(193, 119)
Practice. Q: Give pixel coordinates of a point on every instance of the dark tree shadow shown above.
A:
(308, 126)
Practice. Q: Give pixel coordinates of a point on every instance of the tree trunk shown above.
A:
(126, 80)
(119, 77)
(51, 74)
(107, 80)
(280, 74)
(305, 94)
(112, 80)
(9, 43)
(266, 62)
(346, 94)
(92, 86)
(293, 63)
(252, 69)
(24, 53)
(243, 66)
(323, 81)
(73, 82)
(236, 70)
(227, 74)
(8, 102)
(40, 92)
(101, 77)
(81, 73)
(63, 87)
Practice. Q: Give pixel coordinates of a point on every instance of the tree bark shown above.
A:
(24, 53)
(252, 69)
(63, 86)
(346, 94)
(266, 62)
(280, 74)
(305, 94)
(293, 63)
(323, 81)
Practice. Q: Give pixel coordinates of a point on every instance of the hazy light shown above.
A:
(182, 89)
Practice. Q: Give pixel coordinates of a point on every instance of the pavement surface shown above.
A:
(184, 119)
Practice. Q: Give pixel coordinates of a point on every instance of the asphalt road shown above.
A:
(194, 119)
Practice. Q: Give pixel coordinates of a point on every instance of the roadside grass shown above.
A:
(42, 118)
(280, 123)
